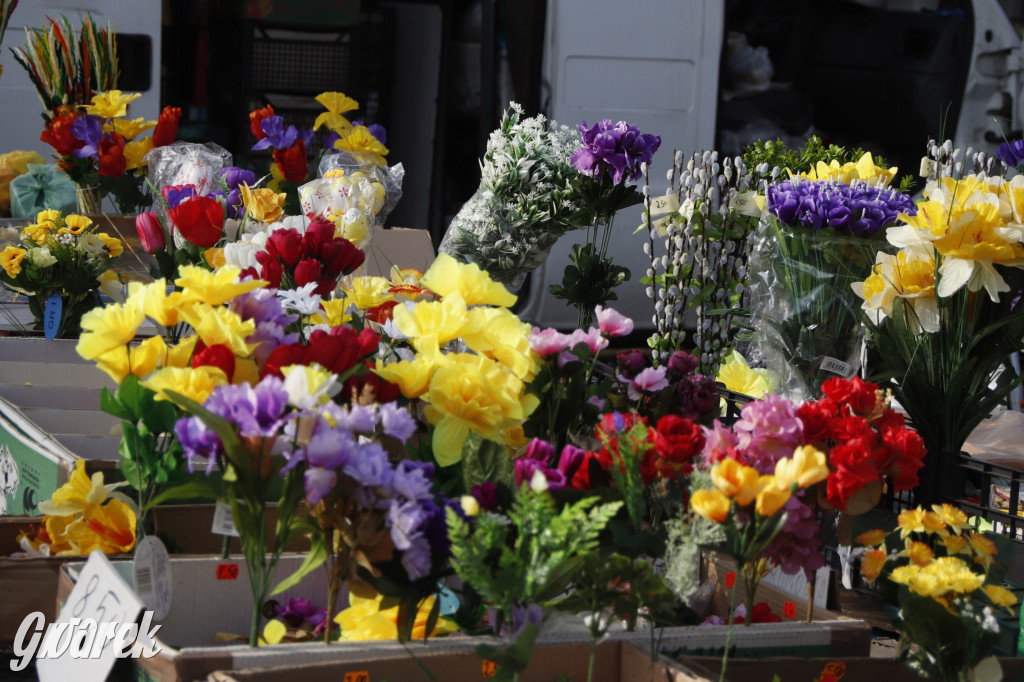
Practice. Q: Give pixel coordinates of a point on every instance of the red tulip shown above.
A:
(292, 162)
(166, 126)
(217, 355)
(256, 120)
(200, 220)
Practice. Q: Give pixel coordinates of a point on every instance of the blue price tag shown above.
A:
(449, 602)
(51, 316)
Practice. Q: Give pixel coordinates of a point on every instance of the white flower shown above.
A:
(242, 253)
(91, 244)
(41, 257)
(301, 300)
(308, 387)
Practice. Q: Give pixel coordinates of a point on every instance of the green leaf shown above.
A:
(186, 491)
(131, 395)
(111, 405)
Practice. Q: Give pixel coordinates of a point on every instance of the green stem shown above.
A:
(590, 664)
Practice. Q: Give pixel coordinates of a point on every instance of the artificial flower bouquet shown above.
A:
(823, 229)
(525, 202)
(61, 264)
(946, 580)
(943, 309)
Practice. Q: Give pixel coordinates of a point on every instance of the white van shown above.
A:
(888, 66)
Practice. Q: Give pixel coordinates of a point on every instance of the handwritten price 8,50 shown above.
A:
(105, 608)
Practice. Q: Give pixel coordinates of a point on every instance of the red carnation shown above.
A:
(256, 120)
(292, 162)
(854, 468)
(860, 395)
(677, 441)
(112, 161)
(200, 220)
(308, 270)
(848, 428)
(166, 126)
(217, 355)
(817, 419)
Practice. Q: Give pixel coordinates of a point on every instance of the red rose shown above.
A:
(335, 352)
(287, 245)
(860, 395)
(677, 441)
(306, 271)
(292, 162)
(845, 429)
(854, 468)
(217, 355)
(166, 126)
(200, 220)
(817, 420)
(256, 120)
(111, 151)
(58, 135)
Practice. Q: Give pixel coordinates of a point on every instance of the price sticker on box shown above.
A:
(488, 668)
(730, 579)
(836, 669)
(227, 571)
(102, 596)
(357, 676)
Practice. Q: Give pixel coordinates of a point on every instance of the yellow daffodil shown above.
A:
(736, 375)
(954, 544)
(952, 516)
(139, 360)
(77, 224)
(195, 384)
(711, 504)
(106, 328)
(367, 292)
(213, 288)
(336, 103)
(111, 104)
(804, 468)
(1000, 596)
(10, 260)
(983, 548)
(180, 354)
(736, 480)
(135, 153)
(364, 620)
(871, 564)
(447, 276)
(910, 521)
(334, 313)
(214, 257)
(129, 129)
(78, 493)
(864, 170)
(309, 386)
(220, 325)
(36, 232)
(264, 205)
(114, 246)
(933, 523)
(919, 553)
(908, 275)
(49, 215)
(872, 538)
(772, 494)
(360, 143)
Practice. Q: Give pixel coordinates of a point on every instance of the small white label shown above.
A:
(686, 210)
(151, 571)
(928, 166)
(223, 522)
(661, 225)
(836, 367)
(745, 203)
(668, 203)
(103, 596)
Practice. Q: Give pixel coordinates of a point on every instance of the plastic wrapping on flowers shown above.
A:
(186, 163)
(803, 307)
(481, 233)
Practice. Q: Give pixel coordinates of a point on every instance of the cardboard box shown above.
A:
(402, 246)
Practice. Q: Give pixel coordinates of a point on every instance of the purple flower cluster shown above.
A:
(233, 178)
(1011, 153)
(88, 129)
(278, 136)
(693, 395)
(857, 209)
(302, 613)
(617, 149)
(266, 309)
(254, 411)
(538, 457)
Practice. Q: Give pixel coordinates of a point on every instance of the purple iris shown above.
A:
(263, 307)
(328, 449)
(88, 129)
(397, 422)
(279, 137)
(413, 479)
(295, 612)
(175, 194)
(1010, 153)
(234, 177)
(255, 410)
(617, 149)
(858, 209)
(201, 445)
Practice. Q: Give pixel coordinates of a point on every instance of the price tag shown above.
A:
(227, 571)
(836, 366)
(789, 609)
(358, 676)
(102, 596)
(488, 668)
(730, 579)
(686, 210)
(928, 166)
(51, 316)
(661, 225)
(745, 203)
(664, 204)
(836, 668)
(151, 572)
(223, 522)
(449, 602)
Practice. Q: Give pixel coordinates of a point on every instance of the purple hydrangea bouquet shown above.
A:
(822, 237)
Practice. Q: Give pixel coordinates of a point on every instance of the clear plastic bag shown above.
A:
(186, 163)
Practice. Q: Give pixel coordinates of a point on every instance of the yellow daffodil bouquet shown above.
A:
(947, 583)
(944, 311)
(466, 357)
(61, 263)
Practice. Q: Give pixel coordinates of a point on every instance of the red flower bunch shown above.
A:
(58, 135)
(866, 440)
(666, 451)
(293, 260)
(200, 220)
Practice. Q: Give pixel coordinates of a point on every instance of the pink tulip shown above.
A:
(151, 232)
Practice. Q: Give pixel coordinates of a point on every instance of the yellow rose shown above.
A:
(771, 496)
(711, 504)
(264, 204)
(443, 320)
(736, 480)
(10, 260)
(804, 468)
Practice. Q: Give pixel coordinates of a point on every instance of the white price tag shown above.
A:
(223, 522)
(686, 210)
(664, 204)
(928, 166)
(151, 572)
(661, 225)
(100, 602)
(745, 203)
(836, 367)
